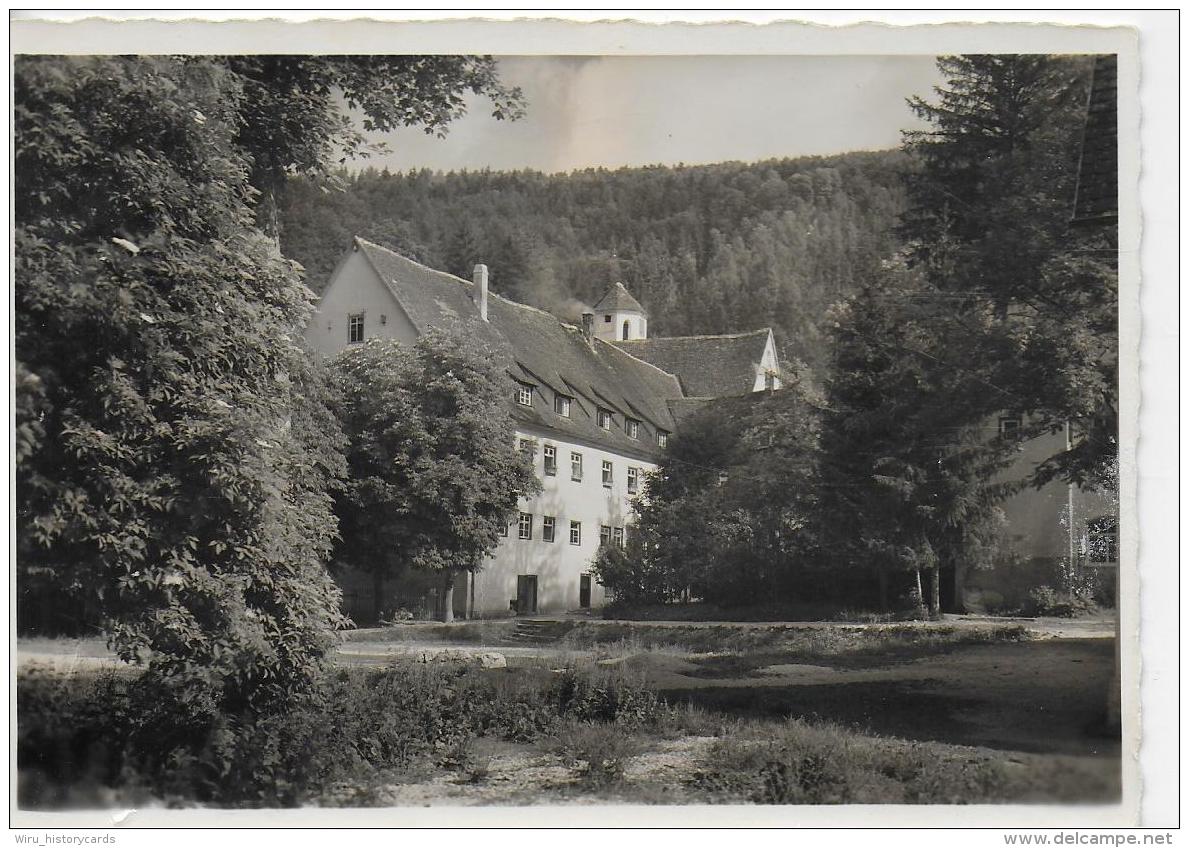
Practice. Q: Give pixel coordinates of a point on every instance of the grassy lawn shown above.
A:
(630, 713)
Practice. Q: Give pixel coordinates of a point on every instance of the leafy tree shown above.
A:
(175, 450)
(434, 474)
(726, 516)
(290, 123)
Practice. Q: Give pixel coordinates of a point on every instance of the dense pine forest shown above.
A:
(707, 249)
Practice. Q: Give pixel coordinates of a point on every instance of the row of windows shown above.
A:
(603, 417)
(608, 535)
(528, 448)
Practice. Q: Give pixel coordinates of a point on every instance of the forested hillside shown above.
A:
(707, 249)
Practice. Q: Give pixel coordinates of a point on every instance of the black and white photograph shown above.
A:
(501, 423)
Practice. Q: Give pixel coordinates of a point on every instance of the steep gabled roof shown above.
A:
(618, 299)
(1097, 199)
(707, 366)
(541, 351)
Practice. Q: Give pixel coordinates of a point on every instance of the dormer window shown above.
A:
(355, 328)
(561, 405)
(662, 438)
(632, 427)
(604, 418)
(524, 395)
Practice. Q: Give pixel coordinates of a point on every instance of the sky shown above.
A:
(615, 111)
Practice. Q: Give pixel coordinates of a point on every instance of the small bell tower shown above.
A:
(619, 317)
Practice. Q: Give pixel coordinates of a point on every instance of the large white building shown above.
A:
(594, 404)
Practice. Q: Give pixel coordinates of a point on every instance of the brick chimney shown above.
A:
(588, 327)
(481, 290)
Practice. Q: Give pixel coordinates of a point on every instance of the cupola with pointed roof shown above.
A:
(619, 317)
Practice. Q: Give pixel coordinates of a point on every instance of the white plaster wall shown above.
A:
(353, 289)
(558, 564)
(768, 362)
(613, 331)
(1037, 519)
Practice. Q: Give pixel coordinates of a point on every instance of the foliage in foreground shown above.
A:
(174, 449)
(799, 762)
(112, 737)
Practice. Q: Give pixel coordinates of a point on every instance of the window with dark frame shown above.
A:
(526, 525)
(575, 532)
(551, 460)
(548, 524)
(561, 405)
(632, 427)
(355, 328)
(604, 418)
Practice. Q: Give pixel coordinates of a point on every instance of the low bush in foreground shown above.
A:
(86, 740)
(799, 762)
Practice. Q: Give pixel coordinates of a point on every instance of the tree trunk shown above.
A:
(920, 591)
(935, 592)
(959, 587)
(448, 597)
(471, 592)
(377, 595)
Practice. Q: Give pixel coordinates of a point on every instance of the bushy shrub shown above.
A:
(599, 752)
(1045, 600)
(115, 738)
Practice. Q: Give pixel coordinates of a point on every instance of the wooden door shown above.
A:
(526, 594)
(584, 591)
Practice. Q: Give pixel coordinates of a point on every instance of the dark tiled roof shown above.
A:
(1098, 172)
(542, 351)
(618, 299)
(708, 366)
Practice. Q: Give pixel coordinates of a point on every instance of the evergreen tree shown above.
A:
(989, 225)
(907, 467)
